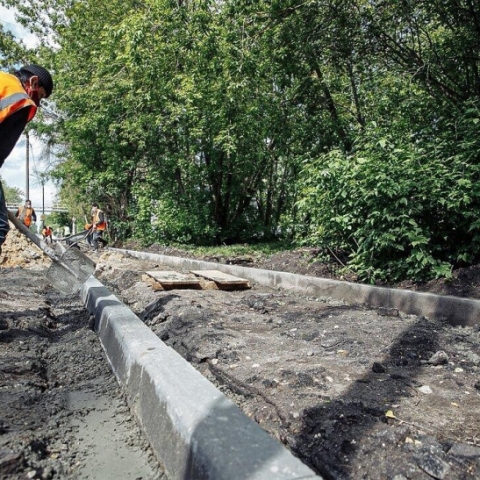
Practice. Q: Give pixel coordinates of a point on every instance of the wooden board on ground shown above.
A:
(171, 279)
(156, 286)
(224, 281)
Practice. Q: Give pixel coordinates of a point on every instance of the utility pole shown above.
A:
(27, 168)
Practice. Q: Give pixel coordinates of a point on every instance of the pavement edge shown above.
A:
(194, 430)
(454, 310)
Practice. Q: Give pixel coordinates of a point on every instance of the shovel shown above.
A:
(70, 268)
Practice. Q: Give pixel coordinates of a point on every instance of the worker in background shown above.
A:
(98, 226)
(20, 95)
(47, 233)
(26, 214)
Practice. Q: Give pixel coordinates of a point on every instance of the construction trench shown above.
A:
(278, 376)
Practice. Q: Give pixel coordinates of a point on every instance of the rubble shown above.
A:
(18, 251)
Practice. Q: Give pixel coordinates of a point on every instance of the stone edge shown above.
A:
(194, 430)
(454, 310)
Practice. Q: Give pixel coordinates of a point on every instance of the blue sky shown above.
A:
(13, 170)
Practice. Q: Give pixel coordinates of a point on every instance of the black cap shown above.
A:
(44, 78)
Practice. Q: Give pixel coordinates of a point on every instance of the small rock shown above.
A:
(438, 358)
(465, 451)
(477, 385)
(331, 342)
(434, 466)
(378, 368)
(425, 389)
(390, 312)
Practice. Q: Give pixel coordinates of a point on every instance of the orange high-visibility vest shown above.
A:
(13, 97)
(96, 219)
(25, 215)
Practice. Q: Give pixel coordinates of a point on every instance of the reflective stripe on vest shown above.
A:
(13, 97)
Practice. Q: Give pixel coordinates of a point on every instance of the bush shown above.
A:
(403, 209)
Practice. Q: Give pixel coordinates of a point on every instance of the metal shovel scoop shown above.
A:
(70, 267)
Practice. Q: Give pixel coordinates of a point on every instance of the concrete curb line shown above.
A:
(455, 310)
(194, 430)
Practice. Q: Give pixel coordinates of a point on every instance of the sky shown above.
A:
(13, 170)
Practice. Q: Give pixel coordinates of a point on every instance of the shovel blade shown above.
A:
(79, 263)
(63, 279)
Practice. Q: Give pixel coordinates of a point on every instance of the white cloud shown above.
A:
(9, 23)
(13, 170)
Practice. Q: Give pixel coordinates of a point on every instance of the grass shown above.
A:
(258, 249)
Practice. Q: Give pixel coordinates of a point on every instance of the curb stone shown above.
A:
(455, 310)
(194, 430)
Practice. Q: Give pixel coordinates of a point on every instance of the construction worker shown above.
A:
(27, 214)
(47, 233)
(20, 95)
(98, 226)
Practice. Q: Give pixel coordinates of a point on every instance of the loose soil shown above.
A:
(62, 413)
(353, 392)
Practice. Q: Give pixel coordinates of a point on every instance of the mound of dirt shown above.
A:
(18, 251)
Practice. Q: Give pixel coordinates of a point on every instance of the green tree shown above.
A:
(13, 195)
(352, 124)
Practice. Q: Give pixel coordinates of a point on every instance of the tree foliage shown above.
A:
(13, 195)
(347, 124)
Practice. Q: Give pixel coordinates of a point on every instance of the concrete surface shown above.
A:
(455, 310)
(195, 431)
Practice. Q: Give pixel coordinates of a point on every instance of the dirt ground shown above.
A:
(62, 413)
(465, 282)
(355, 393)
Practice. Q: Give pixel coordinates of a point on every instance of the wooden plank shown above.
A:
(223, 280)
(173, 279)
(156, 286)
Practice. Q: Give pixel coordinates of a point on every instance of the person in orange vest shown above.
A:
(27, 214)
(98, 226)
(47, 233)
(20, 95)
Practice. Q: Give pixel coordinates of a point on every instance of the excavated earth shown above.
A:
(62, 413)
(354, 392)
